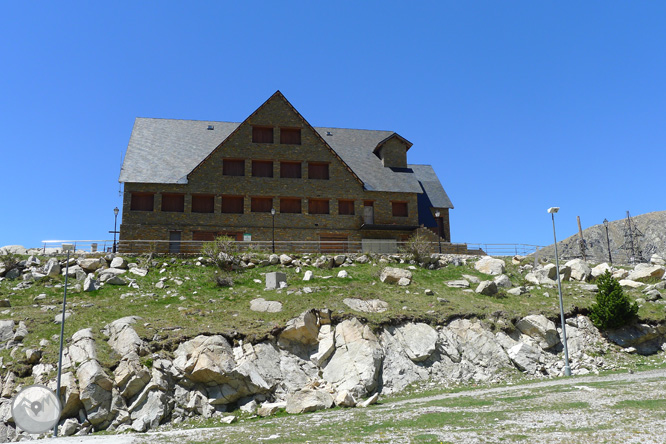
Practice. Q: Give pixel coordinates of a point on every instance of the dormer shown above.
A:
(393, 151)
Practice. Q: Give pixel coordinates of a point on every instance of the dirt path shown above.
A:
(619, 408)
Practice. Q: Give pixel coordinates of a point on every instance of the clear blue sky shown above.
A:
(518, 105)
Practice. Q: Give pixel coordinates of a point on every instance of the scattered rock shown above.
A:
(489, 265)
(262, 305)
(487, 288)
(369, 306)
(307, 400)
(275, 280)
(391, 275)
(461, 283)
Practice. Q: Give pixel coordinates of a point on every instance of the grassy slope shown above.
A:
(199, 306)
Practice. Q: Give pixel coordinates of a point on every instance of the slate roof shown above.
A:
(167, 150)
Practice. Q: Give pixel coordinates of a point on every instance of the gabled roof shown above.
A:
(407, 143)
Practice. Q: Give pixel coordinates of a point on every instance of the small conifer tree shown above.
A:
(613, 308)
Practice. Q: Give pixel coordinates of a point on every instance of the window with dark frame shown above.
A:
(261, 204)
(290, 170)
(290, 205)
(318, 206)
(317, 170)
(262, 168)
(346, 207)
(232, 204)
(399, 209)
(142, 201)
(290, 136)
(173, 203)
(203, 203)
(262, 134)
(206, 236)
(233, 167)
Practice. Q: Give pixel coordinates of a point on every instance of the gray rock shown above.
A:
(652, 295)
(357, 359)
(630, 284)
(91, 265)
(123, 339)
(95, 393)
(461, 283)
(52, 268)
(119, 262)
(418, 340)
(601, 269)
(580, 271)
(270, 408)
(647, 339)
(33, 356)
(344, 399)
(307, 400)
(363, 259)
(503, 281)
(58, 318)
(517, 291)
(339, 259)
(285, 259)
(6, 330)
(262, 305)
(69, 427)
(655, 259)
(369, 306)
(525, 357)
(274, 280)
(487, 288)
(489, 265)
(370, 401)
(301, 330)
(589, 287)
(138, 271)
(391, 275)
(307, 275)
(539, 328)
(471, 279)
(90, 284)
(343, 274)
(646, 271)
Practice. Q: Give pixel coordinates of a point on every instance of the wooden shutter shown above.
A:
(399, 209)
(233, 167)
(173, 203)
(142, 201)
(290, 170)
(232, 204)
(317, 170)
(261, 204)
(346, 207)
(262, 168)
(203, 204)
(205, 236)
(290, 136)
(262, 134)
(318, 206)
(290, 205)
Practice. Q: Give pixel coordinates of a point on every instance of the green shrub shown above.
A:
(613, 308)
(222, 252)
(419, 247)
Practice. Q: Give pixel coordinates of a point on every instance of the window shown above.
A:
(262, 134)
(261, 204)
(262, 168)
(290, 205)
(399, 209)
(290, 136)
(232, 204)
(318, 206)
(203, 203)
(291, 170)
(233, 167)
(346, 207)
(173, 203)
(142, 201)
(206, 236)
(317, 170)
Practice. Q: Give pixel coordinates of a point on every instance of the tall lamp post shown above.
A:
(567, 368)
(115, 225)
(273, 237)
(67, 248)
(610, 258)
(439, 231)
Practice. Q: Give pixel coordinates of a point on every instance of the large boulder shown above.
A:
(357, 359)
(539, 328)
(646, 339)
(487, 288)
(307, 400)
(392, 275)
(489, 265)
(123, 339)
(601, 269)
(52, 268)
(95, 393)
(475, 344)
(130, 377)
(6, 330)
(642, 272)
(418, 340)
(301, 330)
(525, 356)
(91, 265)
(580, 271)
(82, 349)
(205, 359)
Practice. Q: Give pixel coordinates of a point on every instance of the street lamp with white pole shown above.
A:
(115, 225)
(273, 237)
(68, 248)
(567, 368)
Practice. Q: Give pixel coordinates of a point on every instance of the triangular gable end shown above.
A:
(397, 136)
(278, 96)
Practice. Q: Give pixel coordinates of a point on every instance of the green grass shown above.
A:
(210, 309)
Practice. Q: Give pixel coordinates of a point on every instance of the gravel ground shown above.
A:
(619, 408)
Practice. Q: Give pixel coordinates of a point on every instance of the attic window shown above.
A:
(210, 127)
(290, 136)
(262, 134)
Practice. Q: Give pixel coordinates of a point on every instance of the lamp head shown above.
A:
(273, 211)
(437, 213)
(553, 210)
(116, 211)
(606, 223)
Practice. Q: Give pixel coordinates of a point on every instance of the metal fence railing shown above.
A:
(282, 246)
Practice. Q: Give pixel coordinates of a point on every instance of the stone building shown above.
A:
(190, 180)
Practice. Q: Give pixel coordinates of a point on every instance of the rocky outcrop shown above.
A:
(490, 265)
